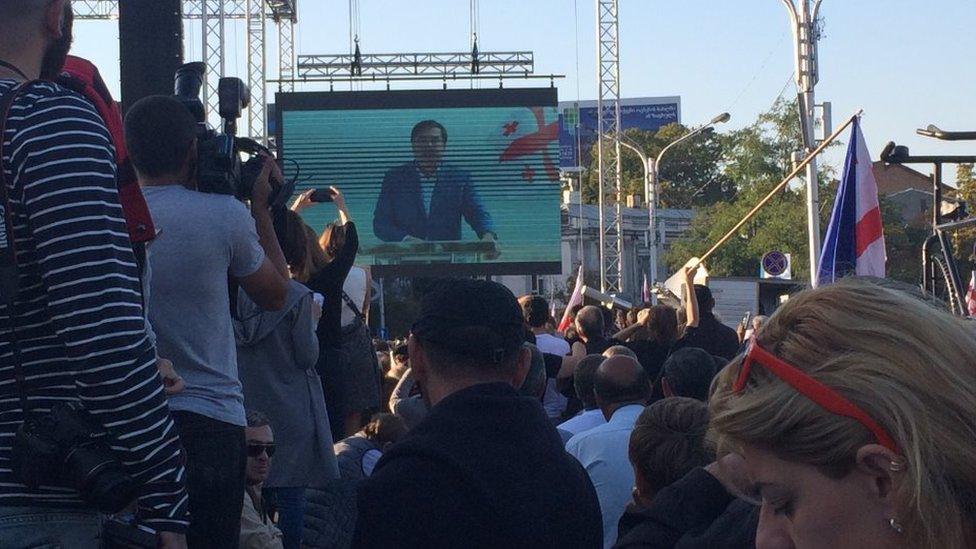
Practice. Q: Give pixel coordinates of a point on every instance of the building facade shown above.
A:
(581, 246)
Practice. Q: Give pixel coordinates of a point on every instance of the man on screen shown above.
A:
(425, 199)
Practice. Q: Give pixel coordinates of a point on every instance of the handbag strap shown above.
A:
(352, 306)
(9, 274)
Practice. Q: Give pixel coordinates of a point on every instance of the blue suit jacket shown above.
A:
(400, 208)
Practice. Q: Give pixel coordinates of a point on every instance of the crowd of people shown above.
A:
(219, 387)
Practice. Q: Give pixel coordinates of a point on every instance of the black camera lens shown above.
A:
(188, 83)
(189, 79)
(100, 478)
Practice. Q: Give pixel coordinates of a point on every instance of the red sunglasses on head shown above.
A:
(820, 394)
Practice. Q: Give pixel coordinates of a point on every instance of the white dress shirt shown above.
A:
(602, 451)
(583, 421)
(553, 401)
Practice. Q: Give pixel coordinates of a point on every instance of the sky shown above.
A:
(906, 63)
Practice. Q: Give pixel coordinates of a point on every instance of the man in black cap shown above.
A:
(485, 468)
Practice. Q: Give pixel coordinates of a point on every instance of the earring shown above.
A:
(897, 464)
(895, 526)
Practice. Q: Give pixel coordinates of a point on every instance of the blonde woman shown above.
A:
(855, 412)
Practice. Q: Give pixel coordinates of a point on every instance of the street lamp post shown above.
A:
(651, 181)
(803, 21)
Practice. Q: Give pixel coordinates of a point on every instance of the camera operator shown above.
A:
(75, 359)
(202, 239)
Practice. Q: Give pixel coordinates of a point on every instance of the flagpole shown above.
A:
(796, 170)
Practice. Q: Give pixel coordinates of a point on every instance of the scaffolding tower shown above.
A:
(215, 17)
(611, 199)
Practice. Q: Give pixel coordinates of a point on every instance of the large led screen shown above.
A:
(439, 182)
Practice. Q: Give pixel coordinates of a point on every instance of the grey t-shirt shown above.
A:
(201, 238)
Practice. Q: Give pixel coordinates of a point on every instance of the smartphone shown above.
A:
(318, 298)
(322, 195)
(746, 319)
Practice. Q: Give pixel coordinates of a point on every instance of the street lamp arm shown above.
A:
(634, 148)
(685, 137)
(792, 9)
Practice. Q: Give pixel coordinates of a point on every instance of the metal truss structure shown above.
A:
(215, 17)
(425, 65)
(95, 9)
(611, 199)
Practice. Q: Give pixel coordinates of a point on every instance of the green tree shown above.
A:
(755, 160)
(757, 157)
(690, 174)
(964, 239)
(903, 244)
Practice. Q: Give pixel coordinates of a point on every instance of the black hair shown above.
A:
(613, 388)
(535, 309)
(689, 372)
(591, 322)
(385, 428)
(705, 300)
(583, 379)
(668, 441)
(426, 125)
(255, 418)
(292, 239)
(159, 131)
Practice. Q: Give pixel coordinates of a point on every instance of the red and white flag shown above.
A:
(971, 295)
(574, 300)
(855, 243)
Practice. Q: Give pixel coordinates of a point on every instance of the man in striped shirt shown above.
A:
(77, 319)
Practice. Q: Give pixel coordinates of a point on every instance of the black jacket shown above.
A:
(484, 469)
(695, 512)
(713, 336)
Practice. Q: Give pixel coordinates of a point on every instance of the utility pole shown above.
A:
(803, 18)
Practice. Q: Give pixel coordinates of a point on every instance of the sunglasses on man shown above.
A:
(256, 449)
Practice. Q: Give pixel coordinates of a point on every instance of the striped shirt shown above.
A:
(78, 314)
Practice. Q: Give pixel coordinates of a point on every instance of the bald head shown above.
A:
(22, 9)
(35, 35)
(589, 322)
(24, 15)
(616, 350)
(621, 380)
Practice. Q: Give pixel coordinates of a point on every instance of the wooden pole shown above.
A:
(796, 170)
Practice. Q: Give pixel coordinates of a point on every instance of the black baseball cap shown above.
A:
(474, 318)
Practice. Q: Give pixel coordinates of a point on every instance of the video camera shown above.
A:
(219, 166)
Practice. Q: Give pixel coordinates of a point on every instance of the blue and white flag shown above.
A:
(855, 237)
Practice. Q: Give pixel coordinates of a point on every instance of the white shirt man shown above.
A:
(621, 388)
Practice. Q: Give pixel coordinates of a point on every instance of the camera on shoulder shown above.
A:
(220, 169)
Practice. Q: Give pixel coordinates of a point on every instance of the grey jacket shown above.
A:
(276, 356)
(350, 452)
(412, 409)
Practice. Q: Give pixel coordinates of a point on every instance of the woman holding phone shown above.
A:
(351, 383)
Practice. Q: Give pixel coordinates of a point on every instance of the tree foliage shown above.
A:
(690, 173)
(963, 240)
(755, 160)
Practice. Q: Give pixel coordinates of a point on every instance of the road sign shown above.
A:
(776, 264)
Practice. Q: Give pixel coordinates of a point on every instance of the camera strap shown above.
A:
(9, 274)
